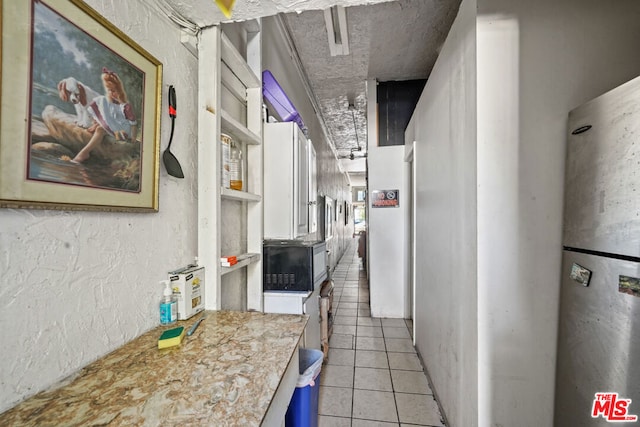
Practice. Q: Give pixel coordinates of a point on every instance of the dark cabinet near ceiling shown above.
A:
(396, 102)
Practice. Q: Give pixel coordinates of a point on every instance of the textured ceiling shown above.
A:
(388, 40)
(397, 40)
(205, 13)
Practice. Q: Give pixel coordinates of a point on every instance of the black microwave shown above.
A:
(292, 265)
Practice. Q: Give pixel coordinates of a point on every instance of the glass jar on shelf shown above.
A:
(226, 155)
(235, 167)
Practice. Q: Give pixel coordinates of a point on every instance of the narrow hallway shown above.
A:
(373, 376)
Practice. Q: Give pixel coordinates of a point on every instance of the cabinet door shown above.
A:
(280, 186)
(286, 181)
(312, 331)
(302, 184)
(313, 190)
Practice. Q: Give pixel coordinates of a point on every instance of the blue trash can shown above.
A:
(303, 408)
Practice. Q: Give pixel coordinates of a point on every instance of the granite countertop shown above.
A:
(225, 374)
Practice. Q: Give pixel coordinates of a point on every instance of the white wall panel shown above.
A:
(77, 285)
(388, 285)
(535, 64)
(444, 128)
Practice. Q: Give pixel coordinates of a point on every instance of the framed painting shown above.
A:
(80, 114)
(328, 217)
(346, 213)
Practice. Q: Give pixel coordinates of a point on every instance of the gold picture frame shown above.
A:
(80, 114)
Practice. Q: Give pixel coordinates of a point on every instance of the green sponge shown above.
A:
(171, 337)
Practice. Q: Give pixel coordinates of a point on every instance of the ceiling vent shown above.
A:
(335, 18)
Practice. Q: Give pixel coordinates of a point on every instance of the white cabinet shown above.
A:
(313, 190)
(286, 181)
(298, 303)
(230, 221)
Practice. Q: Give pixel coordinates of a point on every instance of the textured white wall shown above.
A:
(444, 127)
(536, 62)
(76, 285)
(387, 239)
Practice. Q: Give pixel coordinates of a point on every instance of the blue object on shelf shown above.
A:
(279, 101)
(303, 408)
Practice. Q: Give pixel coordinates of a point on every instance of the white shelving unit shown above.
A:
(230, 102)
(243, 261)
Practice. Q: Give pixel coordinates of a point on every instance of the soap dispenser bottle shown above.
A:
(168, 305)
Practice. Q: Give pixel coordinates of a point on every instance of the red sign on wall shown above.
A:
(385, 199)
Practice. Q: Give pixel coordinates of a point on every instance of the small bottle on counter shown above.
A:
(168, 305)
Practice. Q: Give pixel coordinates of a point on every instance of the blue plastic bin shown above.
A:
(303, 408)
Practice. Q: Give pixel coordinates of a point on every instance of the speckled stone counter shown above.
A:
(225, 374)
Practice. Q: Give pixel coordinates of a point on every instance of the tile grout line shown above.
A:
(355, 350)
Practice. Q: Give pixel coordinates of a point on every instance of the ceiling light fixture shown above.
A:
(352, 155)
(352, 108)
(335, 18)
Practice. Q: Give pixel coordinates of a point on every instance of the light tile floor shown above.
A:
(373, 376)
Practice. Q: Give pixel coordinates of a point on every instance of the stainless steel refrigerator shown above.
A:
(599, 329)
